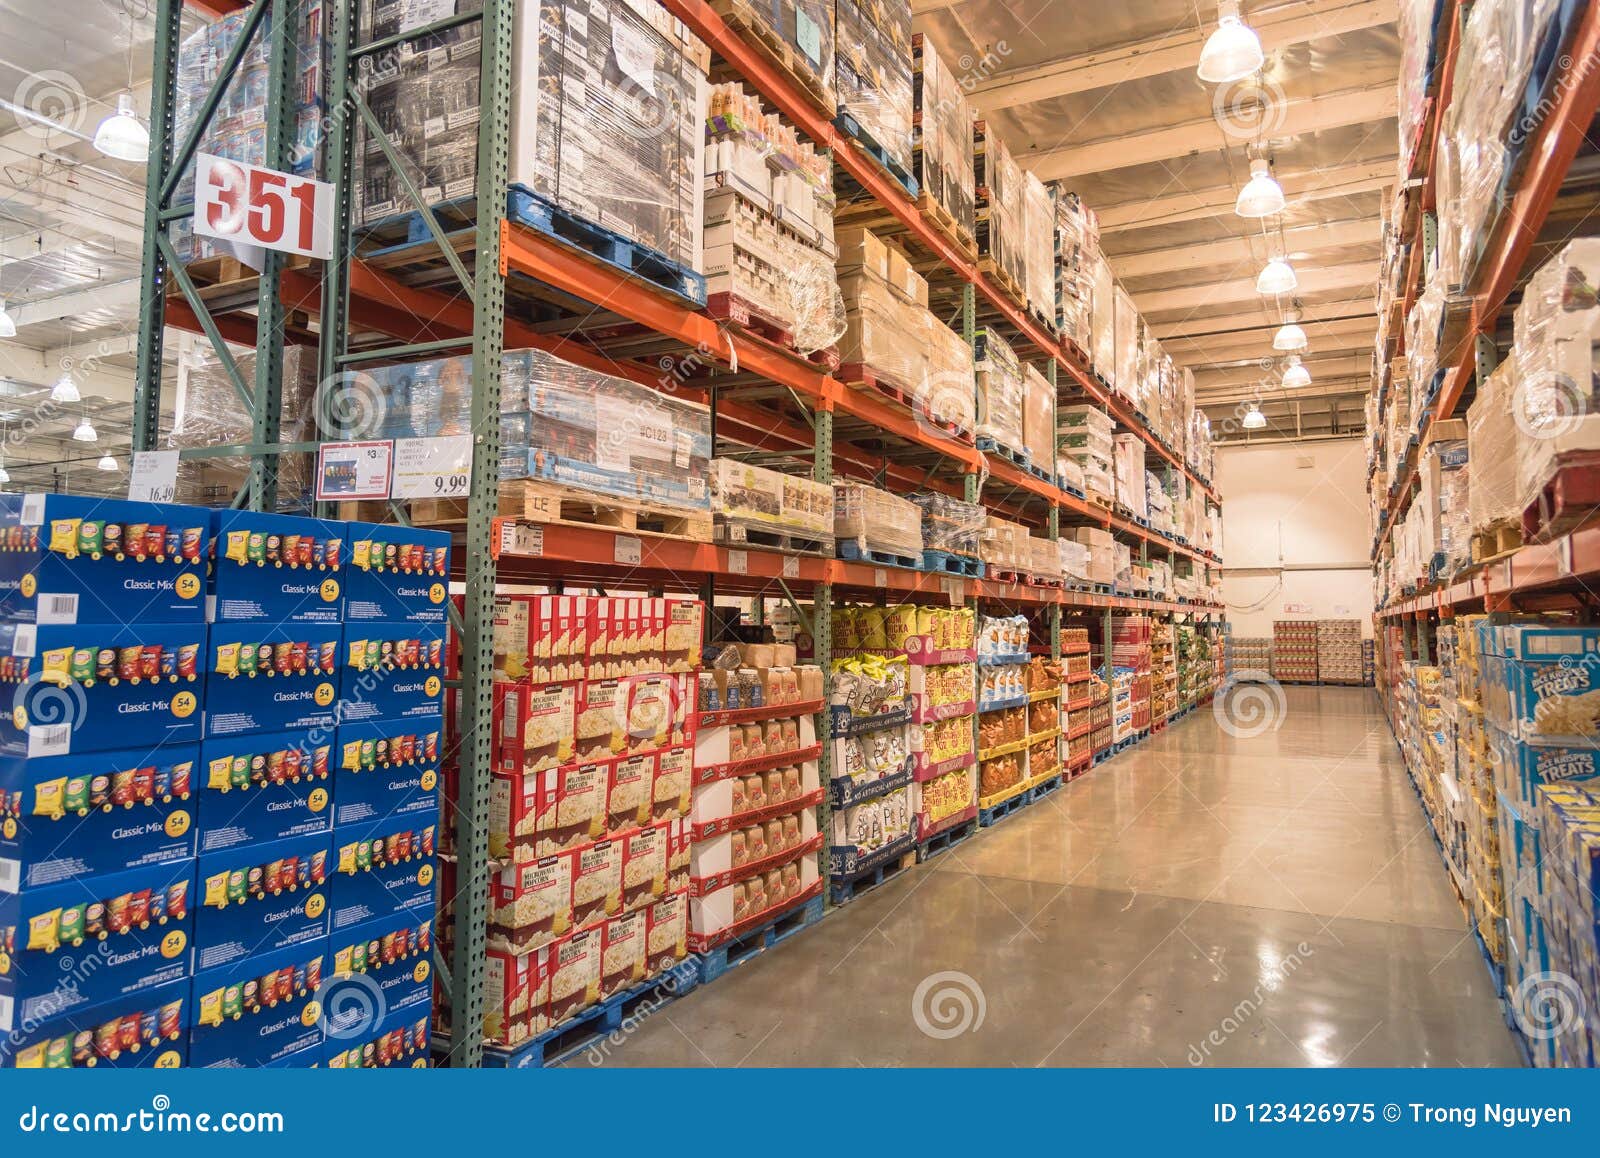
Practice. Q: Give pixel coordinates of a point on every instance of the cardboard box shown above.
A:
(399, 1039)
(271, 678)
(85, 688)
(396, 574)
(277, 569)
(530, 903)
(393, 671)
(385, 770)
(387, 964)
(622, 953)
(670, 792)
(644, 865)
(382, 869)
(596, 883)
(534, 726)
(148, 1029)
(260, 897)
(76, 559)
(264, 787)
(574, 974)
(516, 995)
(261, 1010)
(67, 817)
(666, 933)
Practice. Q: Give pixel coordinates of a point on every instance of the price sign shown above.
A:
(628, 551)
(521, 539)
(263, 207)
(738, 562)
(955, 590)
(880, 577)
(433, 468)
(791, 566)
(354, 470)
(154, 477)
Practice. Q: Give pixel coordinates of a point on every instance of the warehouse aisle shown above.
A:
(1211, 897)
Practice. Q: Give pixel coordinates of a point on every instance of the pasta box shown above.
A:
(271, 678)
(148, 1029)
(393, 671)
(383, 869)
(396, 574)
(99, 687)
(264, 786)
(79, 943)
(259, 897)
(399, 1038)
(78, 559)
(391, 957)
(386, 769)
(266, 1008)
(276, 569)
(66, 817)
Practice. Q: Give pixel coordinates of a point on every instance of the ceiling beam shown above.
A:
(32, 244)
(1313, 114)
(41, 368)
(1245, 251)
(1334, 367)
(1262, 318)
(1313, 280)
(1345, 334)
(1299, 187)
(112, 295)
(102, 208)
(1177, 51)
(1316, 392)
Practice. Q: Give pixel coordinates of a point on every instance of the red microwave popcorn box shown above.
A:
(656, 644)
(656, 715)
(533, 726)
(596, 883)
(632, 635)
(602, 719)
(644, 865)
(574, 974)
(671, 794)
(666, 933)
(622, 953)
(628, 794)
(600, 638)
(516, 995)
(679, 837)
(576, 793)
(511, 637)
(680, 644)
(530, 904)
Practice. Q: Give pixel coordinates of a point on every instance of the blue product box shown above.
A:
(1529, 669)
(386, 769)
(148, 1030)
(398, 1040)
(382, 870)
(263, 787)
(393, 671)
(277, 568)
(271, 678)
(388, 963)
(261, 897)
(85, 688)
(76, 944)
(396, 574)
(63, 817)
(77, 559)
(262, 1010)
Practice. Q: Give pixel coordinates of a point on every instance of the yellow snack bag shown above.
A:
(360, 553)
(219, 775)
(358, 654)
(56, 666)
(49, 798)
(32, 1058)
(228, 659)
(44, 931)
(210, 1008)
(217, 890)
(238, 546)
(347, 859)
(352, 756)
(64, 536)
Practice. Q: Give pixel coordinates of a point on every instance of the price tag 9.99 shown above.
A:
(252, 205)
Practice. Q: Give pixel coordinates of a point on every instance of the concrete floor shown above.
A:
(1207, 898)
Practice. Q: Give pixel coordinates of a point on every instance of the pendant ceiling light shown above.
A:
(1261, 196)
(1277, 277)
(1233, 51)
(106, 463)
(1290, 338)
(1295, 374)
(85, 432)
(123, 136)
(1253, 418)
(66, 390)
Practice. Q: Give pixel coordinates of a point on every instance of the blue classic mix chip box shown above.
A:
(264, 786)
(146, 1029)
(259, 1011)
(277, 569)
(271, 677)
(392, 671)
(388, 963)
(79, 943)
(382, 870)
(396, 574)
(89, 687)
(398, 1039)
(65, 817)
(386, 770)
(77, 559)
(260, 897)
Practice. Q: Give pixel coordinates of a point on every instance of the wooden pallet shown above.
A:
(934, 212)
(760, 323)
(858, 376)
(1098, 500)
(223, 272)
(731, 532)
(778, 52)
(1567, 501)
(1002, 280)
(1495, 540)
(553, 504)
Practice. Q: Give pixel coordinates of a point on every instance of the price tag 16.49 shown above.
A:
(154, 477)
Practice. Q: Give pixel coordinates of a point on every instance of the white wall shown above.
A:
(1276, 511)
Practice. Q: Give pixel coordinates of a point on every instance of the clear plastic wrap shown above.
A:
(1044, 558)
(1038, 245)
(1069, 472)
(999, 389)
(1038, 418)
(1103, 321)
(942, 136)
(950, 524)
(1417, 22)
(1126, 382)
(1077, 246)
(1128, 465)
(1001, 231)
(876, 520)
(1492, 450)
(872, 67)
(1073, 558)
(1453, 533)
(1005, 545)
(806, 28)
(755, 495)
(757, 155)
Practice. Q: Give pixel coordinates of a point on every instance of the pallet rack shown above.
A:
(356, 313)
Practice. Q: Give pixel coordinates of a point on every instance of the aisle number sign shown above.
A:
(263, 207)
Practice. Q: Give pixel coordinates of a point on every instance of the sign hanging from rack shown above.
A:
(250, 205)
(154, 476)
(354, 470)
(433, 468)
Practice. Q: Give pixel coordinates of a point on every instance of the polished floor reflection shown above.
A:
(1211, 897)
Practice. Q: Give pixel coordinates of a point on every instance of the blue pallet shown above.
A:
(1018, 458)
(596, 1023)
(952, 564)
(851, 128)
(1075, 492)
(1002, 705)
(852, 552)
(713, 963)
(1039, 791)
(946, 840)
(998, 659)
(881, 866)
(989, 817)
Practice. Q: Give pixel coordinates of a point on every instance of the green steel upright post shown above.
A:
(822, 633)
(153, 269)
(340, 171)
(488, 338)
(1053, 530)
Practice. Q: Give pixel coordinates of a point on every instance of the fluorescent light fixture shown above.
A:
(65, 390)
(85, 432)
(1261, 196)
(1295, 374)
(122, 135)
(1277, 277)
(1253, 418)
(1233, 51)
